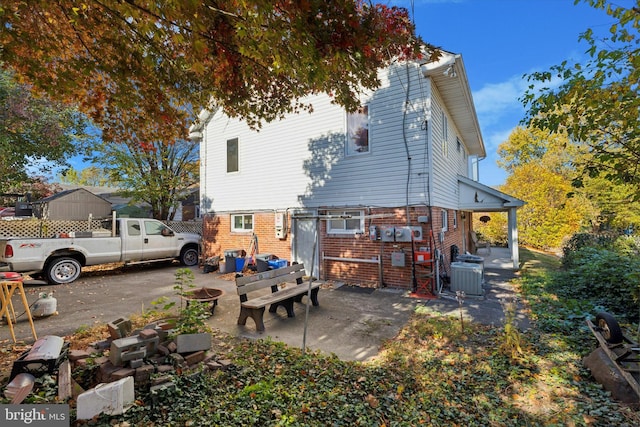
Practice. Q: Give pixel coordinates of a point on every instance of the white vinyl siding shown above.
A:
(300, 162)
(446, 168)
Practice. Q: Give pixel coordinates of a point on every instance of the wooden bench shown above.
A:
(286, 287)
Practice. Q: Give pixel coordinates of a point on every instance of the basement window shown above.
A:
(345, 222)
(241, 223)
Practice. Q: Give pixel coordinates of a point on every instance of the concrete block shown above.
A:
(133, 355)
(119, 328)
(188, 343)
(136, 363)
(134, 345)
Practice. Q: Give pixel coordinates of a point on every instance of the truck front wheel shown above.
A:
(189, 257)
(62, 270)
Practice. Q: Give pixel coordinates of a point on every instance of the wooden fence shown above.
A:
(38, 228)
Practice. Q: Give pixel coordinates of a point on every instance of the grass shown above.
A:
(433, 372)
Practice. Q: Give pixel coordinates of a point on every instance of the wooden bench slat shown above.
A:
(290, 291)
(266, 283)
(244, 280)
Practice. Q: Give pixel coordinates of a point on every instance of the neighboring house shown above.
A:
(188, 208)
(122, 205)
(78, 204)
(327, 188)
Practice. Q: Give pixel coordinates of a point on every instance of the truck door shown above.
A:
(159, 241)
(132, 245)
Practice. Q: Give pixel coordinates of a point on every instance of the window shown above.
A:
(154, 228)
(445, 134)
(349, 222)
(445, 220)
(455, 220)
(232, 155)
(358, 131)
(133, 228)
(242, 223)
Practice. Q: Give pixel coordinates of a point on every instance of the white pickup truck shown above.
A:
(59, 260)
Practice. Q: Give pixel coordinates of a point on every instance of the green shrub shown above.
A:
(603, 276)
(583, 240)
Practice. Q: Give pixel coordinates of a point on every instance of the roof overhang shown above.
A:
(450, 77)
(476, 197)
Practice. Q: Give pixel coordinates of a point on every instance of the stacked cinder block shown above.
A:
(147, 353)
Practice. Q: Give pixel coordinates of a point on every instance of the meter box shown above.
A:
(387, 233)
(397, 259)
(416, 232)
(281, 225)
(403, 234)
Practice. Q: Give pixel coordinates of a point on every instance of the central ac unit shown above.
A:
(466, 277)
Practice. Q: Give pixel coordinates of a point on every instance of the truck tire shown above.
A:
(189, 256)
(62, 270)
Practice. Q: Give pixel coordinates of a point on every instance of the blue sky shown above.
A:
(500, 40)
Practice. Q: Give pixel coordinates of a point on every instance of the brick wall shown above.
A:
(218, 238)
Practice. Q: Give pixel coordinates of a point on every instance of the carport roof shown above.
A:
(476, 197)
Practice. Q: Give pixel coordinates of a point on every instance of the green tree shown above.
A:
(91, 175)
(157, 173)
(597, 103)
(549, 215)
(36, 134)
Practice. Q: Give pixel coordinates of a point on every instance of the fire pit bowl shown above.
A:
(204, 295)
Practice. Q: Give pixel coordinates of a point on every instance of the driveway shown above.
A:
(350, 322)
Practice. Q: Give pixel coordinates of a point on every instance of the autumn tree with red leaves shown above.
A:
(140, 68)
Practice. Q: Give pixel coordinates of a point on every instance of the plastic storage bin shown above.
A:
(277, 263)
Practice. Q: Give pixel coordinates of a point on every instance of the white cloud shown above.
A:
(496, 100)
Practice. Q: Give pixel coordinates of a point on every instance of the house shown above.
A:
(369, 197)
(122, 205)
(77, 204)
